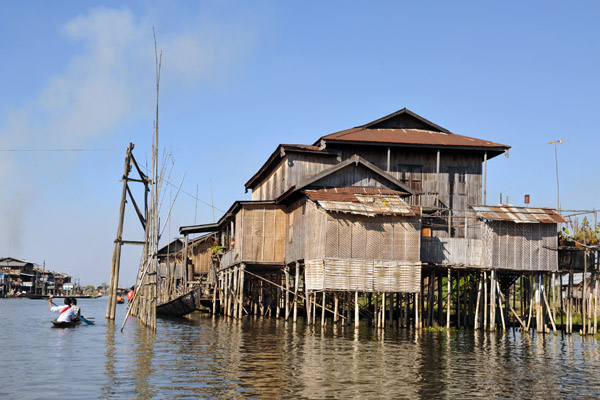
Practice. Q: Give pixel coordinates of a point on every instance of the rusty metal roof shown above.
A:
(519, 215)
(362, 201)
(410, 137)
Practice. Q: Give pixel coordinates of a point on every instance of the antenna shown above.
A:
(555, 142)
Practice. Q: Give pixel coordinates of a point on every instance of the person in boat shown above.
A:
(76, 309)
(65, 312)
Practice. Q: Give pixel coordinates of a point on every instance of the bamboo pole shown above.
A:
(479, 288)
(287, 292)
(296, 282)
(549, 312)
(356, 314)
(500, 306)
(448, 298)
(116, 260)
(513, 310)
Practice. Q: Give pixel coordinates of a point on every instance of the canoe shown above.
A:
(180, 306)
(65, 324)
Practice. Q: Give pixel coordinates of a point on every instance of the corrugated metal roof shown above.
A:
(362, 201)
(410, 136)
(519, 215)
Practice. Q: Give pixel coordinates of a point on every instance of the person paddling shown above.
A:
(65, 313)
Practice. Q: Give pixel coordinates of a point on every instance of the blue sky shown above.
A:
(238, 78)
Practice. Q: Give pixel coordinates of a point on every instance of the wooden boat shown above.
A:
(65, 324)
(181, 305)
(36, 296)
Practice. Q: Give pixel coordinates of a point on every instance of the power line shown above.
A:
(50, 150)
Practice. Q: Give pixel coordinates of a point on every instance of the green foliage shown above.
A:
(216, 249)
(89, 288)
(587, 234)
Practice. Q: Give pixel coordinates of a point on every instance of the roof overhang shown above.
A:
(280, 153)
(214, 227)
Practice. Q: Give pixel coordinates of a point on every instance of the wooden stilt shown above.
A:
(323, 310)
(296, 282)
(500, 306)
(287, 292)
(479, 288)
(356, 315)
(485, 301)
(549, 311)
(448, 298)
(335, 307)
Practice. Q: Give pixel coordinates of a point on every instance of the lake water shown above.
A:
(202, 357)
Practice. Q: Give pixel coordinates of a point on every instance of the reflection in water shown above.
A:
(202, 357)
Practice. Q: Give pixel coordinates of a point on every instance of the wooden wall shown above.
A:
(293, 168)
(260, 233)
(201, 252)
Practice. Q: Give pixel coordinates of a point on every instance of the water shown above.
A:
(203, 357)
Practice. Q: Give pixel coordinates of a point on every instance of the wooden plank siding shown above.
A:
(291, 170)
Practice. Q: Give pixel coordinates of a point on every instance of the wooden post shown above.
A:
(308, 307)
(448, 299)
(287, 292)
(500, 306)
(296, 281)
(241, 291)
(417, 315)
(335, 307)
(356, 314)
(323, 310)
(116, 259)
(492, 301)
(549, 312)
(485, 301)
(584, 295)
(476, 324)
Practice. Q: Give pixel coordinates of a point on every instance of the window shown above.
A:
(411, 175)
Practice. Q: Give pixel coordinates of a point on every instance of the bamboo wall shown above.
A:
(200, 255)
(260, 234)
(523, 247)
(362, 275)
(355, 252)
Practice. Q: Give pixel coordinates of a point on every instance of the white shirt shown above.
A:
(66, 316)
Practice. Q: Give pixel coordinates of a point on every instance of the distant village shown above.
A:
(19, 277)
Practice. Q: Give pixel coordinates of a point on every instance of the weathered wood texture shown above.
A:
(291, 170)
(201, 252)
(259, 235)
(451, 251)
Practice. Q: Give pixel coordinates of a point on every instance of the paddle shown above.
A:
(88, 322)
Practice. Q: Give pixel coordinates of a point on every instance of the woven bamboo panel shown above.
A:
(338, 275)
(246, 235)
(280, 235)
(332, 237)
(359, 239)
(362, 275)
(374, 230)
(387, 240)
(269, 229)
(521, 246)
(314, 274)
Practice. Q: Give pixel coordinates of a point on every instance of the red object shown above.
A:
(130, 295)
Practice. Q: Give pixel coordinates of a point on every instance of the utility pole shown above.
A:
(555, 142)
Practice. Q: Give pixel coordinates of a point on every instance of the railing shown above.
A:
(229, 258)
(456, 251)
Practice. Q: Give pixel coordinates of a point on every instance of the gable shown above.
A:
(405, 119)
